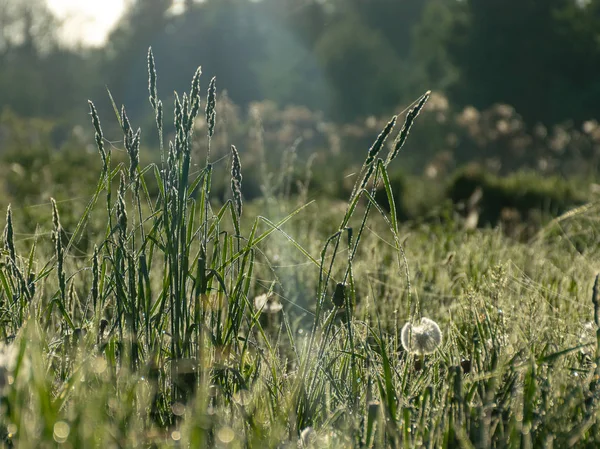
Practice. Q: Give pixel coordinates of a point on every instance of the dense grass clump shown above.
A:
(180, 324)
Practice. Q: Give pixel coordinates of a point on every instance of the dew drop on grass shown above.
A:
(12, 430)
(61, 431)
(99, 365)
(178, 409)
(225, 435)
(241, 398)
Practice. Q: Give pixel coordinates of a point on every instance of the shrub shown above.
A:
(527, 194)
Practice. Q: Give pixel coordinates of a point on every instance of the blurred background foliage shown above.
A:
(514, 110)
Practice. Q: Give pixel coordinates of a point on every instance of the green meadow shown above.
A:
(172, 307)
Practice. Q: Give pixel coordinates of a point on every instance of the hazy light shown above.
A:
(87, 21)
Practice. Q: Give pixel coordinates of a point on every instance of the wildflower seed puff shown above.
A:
(8, 356)
(267, 303)
(423, 338)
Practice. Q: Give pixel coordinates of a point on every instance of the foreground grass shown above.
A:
(156, 339)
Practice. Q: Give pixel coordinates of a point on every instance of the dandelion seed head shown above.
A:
(423, 338)
(267, 303)
(8, 357)
(308, 438)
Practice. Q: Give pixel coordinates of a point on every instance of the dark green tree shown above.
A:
(290, 72)
(430, 64)
(362, 70)
(221, 36)
(143, 25)
(39, 77)
(539, 56)
(394, 19)
(27, 36)
(305, 19)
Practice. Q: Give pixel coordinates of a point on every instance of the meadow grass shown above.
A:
(194, 326)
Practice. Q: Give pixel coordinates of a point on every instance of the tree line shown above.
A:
(347, 58)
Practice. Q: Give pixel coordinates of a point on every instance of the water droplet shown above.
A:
(225, 435)
(61, 431)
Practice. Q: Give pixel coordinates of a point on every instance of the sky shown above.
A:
(87, 21)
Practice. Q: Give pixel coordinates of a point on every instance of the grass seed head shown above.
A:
(211, 102)
(121, 207)
(236, 180)
(381, 138)
(9, 243)
(99, 136)
(410, 118)
(194, 98)
(152, 79)
(159, 114)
